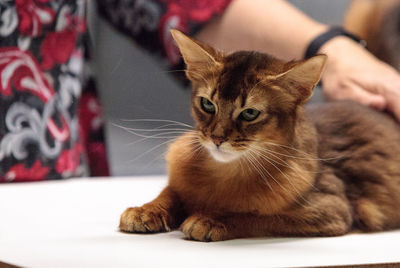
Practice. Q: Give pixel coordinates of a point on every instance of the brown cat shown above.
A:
(258, 164)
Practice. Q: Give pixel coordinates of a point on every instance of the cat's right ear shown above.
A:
(301, 79)
(196, 55)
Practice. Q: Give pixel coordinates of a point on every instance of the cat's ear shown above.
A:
(304, 76)
(196, 55)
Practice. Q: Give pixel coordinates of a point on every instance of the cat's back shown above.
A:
(361, 147)
(348, 129)
(344, 122)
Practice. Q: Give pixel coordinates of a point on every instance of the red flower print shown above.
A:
(20, 68)
(20, 173)
(32, 15)
(198, 11)
(57, 48)
(69, 160)
(97, 156)
(90, 115)
(90, 121)
(180, 14)
(171, 21)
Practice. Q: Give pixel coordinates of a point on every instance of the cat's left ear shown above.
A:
(196, 55)
(304, 76)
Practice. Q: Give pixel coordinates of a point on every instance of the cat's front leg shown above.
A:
(325, 215)
(163, 214)
(204, 228)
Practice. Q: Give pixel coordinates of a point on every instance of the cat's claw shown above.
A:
(148, 219)
(205, 229)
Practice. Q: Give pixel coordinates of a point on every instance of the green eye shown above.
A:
(249, 114)
(207, 105)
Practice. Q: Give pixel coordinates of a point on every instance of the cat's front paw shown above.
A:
(146, 219)
(203, 228)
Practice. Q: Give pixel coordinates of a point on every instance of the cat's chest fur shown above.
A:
(218, 195)
(230, 188)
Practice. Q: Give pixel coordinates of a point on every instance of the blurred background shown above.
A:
(134, 85)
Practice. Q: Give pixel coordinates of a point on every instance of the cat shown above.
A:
(259, 164)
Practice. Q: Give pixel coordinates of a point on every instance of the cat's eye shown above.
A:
(207, 105)
(249, 114)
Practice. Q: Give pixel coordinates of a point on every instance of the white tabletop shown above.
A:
(73, 223)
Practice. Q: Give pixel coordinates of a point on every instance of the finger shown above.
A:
(360, 95)
(376, 102)
(396, 111)
(394, 105)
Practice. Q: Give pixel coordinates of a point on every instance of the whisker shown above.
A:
(159, 135)
(288, 166)
(289, 180)
(251, 161)
(116, 65)
(290, 156)
(154, 160)
(241, 165)
(157, 130)
(300, 151)
(187, 143)
(148, 151)
(156, 136)
(158, 72)
(157, 120)
(164, 154)
(167, 125)
(284, 163)
(260, 164)
(245, 162)
(146, 138)
(195, 152)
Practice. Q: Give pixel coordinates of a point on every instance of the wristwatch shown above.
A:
(333, 32)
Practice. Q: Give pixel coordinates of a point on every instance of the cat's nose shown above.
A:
(218, 140)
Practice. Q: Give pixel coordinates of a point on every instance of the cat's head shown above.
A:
(243, 100)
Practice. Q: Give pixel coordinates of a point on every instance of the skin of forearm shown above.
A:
(270, 26)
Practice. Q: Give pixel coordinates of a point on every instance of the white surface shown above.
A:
(73, 223)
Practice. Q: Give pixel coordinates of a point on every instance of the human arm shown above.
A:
(278, 28)
(270, 26)
(353, 73)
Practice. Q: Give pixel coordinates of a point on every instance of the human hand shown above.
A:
(353, 73)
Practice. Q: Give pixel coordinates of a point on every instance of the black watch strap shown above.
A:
(321, 39)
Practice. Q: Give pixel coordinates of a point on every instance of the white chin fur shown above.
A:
(223, 156)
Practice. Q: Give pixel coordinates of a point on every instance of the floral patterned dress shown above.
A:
(51, 123)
